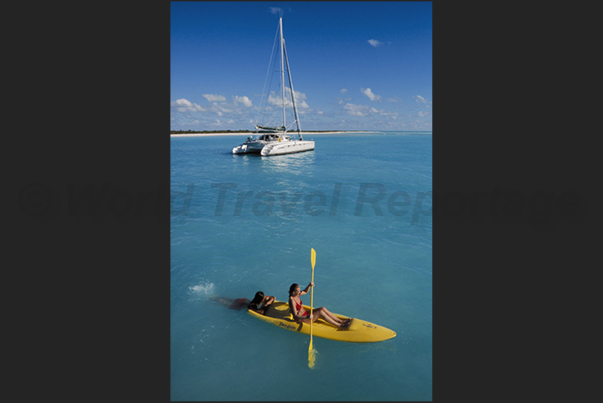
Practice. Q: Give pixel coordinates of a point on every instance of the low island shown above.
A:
(184, 133)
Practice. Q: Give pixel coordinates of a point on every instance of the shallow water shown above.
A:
(245, 223)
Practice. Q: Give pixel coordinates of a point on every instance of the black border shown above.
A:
(87, 317)
(511, 296)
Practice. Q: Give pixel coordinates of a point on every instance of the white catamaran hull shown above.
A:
(274, 147)
(250, 147)
(288, 147)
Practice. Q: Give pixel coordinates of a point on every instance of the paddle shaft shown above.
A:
(313, 260)
(311, 352)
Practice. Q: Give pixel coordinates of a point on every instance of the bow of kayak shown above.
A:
(359, 331)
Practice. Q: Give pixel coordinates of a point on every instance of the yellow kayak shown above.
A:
(359, 331)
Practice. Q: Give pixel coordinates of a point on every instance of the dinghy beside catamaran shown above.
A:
(276, 140)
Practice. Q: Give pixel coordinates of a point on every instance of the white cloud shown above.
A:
(421, 100)
(370, 94)
(300, 96)
(221, 109)
(214, 98)
(276, 10)
(184, 105)
(277, 100)
(365, 110)
(243, 100)
(356, 110)
(374, 42)
(191, 123)
(343, 90)
(274, 99)
(393, 115)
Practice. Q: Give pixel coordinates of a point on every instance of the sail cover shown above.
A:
(275, 129)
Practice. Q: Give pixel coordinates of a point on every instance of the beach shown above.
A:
(253, 134)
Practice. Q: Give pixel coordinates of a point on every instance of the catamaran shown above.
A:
(276, 140)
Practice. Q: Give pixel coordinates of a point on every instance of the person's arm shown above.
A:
(266, 302)
(305, 291)
(269, 300)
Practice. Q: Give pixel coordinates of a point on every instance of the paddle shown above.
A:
(311, 351)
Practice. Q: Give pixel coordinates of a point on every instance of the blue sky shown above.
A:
(354, 65)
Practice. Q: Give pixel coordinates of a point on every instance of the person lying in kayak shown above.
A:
(231, 303)
(301, 315)
(261, 302)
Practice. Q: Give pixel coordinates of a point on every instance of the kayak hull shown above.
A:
(359, 331)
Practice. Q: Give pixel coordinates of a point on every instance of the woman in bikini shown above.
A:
(301, 315)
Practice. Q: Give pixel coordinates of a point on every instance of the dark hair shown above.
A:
(259, 296)
(293, 287)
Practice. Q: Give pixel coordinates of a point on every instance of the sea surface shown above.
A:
(244, 223)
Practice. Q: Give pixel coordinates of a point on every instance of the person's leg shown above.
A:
(332, 315)
(326, 315)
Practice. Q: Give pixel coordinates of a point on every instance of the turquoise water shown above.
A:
(245, 223)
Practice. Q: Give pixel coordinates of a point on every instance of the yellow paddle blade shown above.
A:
(313, 257)
(311, 355)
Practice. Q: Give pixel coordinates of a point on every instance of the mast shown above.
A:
(293, 97)
(282, 70)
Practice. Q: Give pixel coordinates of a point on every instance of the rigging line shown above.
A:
(282, 43)
(266, 78)
(292, 94)
(265, 108)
